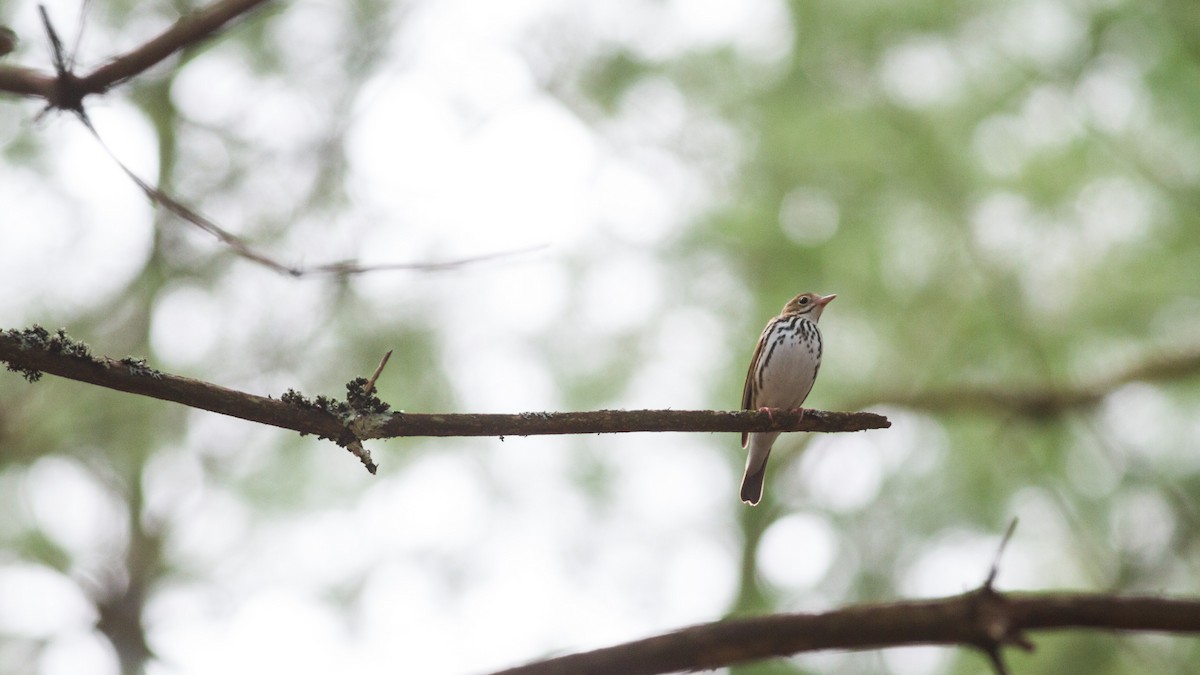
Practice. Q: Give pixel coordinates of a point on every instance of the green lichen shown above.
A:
(362, 402)
(30, 374)
(322, 403)
(140, 367)
(359, 402)
(325, 404)
(38, 338)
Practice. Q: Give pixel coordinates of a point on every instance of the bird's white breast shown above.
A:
(793, 356)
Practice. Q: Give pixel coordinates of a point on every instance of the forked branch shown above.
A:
(68, 92)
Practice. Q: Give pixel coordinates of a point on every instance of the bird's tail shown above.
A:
(756, 466)
(752, 486)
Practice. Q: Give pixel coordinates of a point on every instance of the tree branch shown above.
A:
(64, 90)
(187, 31)
(68, 92)
(617, 421)
(35, 350)
(983, 619)
(1045, 400)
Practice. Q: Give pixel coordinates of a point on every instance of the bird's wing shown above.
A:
(749, 391)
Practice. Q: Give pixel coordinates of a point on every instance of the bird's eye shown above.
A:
(804, 301)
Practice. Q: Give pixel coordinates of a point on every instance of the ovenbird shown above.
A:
(781, 374)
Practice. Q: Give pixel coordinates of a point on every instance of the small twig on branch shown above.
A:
(995, 568)
(35, 350)
(965, 620)
(370, 387)
(999, 631)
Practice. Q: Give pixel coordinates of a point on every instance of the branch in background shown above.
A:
(8, 40)
(983, 619)
(243, 248)
(67, 93)
(1047, 400)
(25, 82)
(35, 350)
(188, 31)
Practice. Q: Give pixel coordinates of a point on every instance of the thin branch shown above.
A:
(243, 248)
(26, 82)
(1001, 632)
(68, 93)
(370, 386)
(35, 350)
(188, 31)
(618, 421)
(978, 619)
(1041, 401)
(995, 569)
(8, 40)
(350, 267)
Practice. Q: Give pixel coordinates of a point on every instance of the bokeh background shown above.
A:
(1003, 193)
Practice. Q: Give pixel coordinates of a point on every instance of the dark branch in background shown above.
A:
(66, 91)
(35, 350)
(8, 40)
(68, 94)
(983, 619)
(1046, 400)
(190, 30)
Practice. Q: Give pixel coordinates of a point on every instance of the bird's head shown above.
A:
(807, 304)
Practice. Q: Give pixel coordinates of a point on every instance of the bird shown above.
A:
(782, 372)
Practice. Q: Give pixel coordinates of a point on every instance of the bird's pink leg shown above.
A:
(769, 416)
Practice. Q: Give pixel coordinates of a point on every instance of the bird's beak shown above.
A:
(821, 302)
